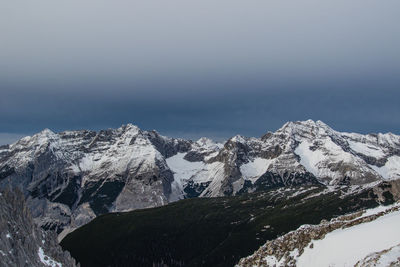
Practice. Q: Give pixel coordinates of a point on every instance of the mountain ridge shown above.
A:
(71, 177)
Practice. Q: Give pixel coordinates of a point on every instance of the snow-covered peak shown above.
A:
(308, 127)
(322, 124)
(129, 129)
(156, 134)
(208, 144)
(42, 138)
(204, 141)
(46, 132)
(238, 139)
(130, 134)
(337, 157)
(45, 136)
(292, 127)
(388, 139)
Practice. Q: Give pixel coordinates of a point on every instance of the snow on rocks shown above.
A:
(254, 169)
(183, 170)
(366, 149)
(46, 260)
(391, 170)
(197, 172)
(328, 161)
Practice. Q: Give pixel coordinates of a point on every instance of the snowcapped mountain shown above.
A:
(305, 152)
(71, 177)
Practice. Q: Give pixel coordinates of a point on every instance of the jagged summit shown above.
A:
(73, 176)
(204, 141)
(308, 125)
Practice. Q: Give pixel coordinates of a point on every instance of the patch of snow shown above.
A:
(316, 161)
(378, 209)
(366, 149)
(86, 163)
(183, 170)
(207, 143)
(273, 261)
(211, 155)
(2, 253)
(213, 172)
(300, 191)
(46, 260)
(237, 185)
(254, 169)
(238, 139)
(8, 235)
(309, 159)
(391, 170)
(344, 247)
(294, 253)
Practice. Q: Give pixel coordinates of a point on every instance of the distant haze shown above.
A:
(194, 68)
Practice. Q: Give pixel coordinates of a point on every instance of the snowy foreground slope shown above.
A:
(361, 239)
(71, 177)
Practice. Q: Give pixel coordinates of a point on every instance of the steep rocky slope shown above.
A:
(69, 178)
(22, 243)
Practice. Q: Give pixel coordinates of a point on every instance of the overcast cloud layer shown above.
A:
(193, 68)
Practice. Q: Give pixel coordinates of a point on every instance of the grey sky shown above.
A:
(193, 68)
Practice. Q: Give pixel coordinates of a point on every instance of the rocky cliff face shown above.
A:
(69, 178)
(22, 243)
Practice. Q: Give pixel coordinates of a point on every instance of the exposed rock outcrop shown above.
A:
(22, 243)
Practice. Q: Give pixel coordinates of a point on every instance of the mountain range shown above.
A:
(71, 177)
